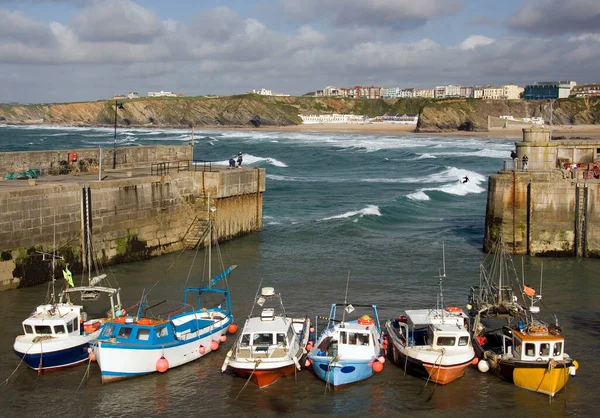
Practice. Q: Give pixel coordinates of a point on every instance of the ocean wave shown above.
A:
(455, 187)
(252, 159)
(369, 210)
(419, 195)
(424, 156)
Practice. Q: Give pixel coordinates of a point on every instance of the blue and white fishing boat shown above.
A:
(348, 351)
(133, 346)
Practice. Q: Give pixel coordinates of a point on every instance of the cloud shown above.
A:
(585, 37)
(474, 41)
(116, 21)
(482, 20)
(557, 17)
(16, 28)
(396, 14)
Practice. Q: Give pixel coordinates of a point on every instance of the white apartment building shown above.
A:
(407, 93)
(426, 93)
(466, 91)
(492, 93)
(478, 92)
(511, 92)
(440, 92)
(263, 92)
(161, 94)
(390, 93)
(333, 118)
(133, 95)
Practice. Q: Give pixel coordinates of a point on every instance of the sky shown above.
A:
(79, 50)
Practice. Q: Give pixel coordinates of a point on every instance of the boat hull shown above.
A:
(55, 360)
(124, 361)
(264, 378)
(442, 375)
(543, 377)
(341, 372)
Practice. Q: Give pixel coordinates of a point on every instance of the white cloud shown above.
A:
(585, 37)
(475, 41)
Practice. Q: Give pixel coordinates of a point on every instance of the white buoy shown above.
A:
(483, 366)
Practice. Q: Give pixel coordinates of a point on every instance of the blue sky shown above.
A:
(70, 50)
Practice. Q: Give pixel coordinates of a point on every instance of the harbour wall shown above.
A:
(130, 218)
(125, 157)
(543, 208)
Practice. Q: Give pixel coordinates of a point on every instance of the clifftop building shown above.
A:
(548, 90)
(586, 90)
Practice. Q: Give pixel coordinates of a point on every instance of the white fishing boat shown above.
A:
(271, 345)
(132, 346)
(58, 333)
(434, 344)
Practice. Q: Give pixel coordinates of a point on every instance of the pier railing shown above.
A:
(163, 168)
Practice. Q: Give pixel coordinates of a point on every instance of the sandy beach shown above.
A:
(568, 131)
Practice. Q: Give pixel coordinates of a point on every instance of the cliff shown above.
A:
(255, 110)
(244, 110)
(472, 115)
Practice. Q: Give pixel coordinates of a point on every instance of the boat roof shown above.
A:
(537, 337)
(277, 324)
(435, 317)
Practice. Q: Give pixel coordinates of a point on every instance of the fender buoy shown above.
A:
(453, 309)
(214, 345)
(202, 349)
(223, 338)
(366, 320)
(162, 365)
(377, 366)
(233, 328)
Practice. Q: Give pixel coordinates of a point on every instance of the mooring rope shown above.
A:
(249, 377)
(15, 370)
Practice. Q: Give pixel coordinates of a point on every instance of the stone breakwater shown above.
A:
(133, 215)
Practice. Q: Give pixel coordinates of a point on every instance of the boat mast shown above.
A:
(209, 243)
(442, 276)
(500, 272)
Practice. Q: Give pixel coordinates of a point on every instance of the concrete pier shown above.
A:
(547, 207)
(134, 213)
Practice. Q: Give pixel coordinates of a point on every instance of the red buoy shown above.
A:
(474, 361)
(162, 365)
(377, 366)
(214, 345)
(223, 338)
(202, 349)
(307, 363)
(92, 356)
(233, 328)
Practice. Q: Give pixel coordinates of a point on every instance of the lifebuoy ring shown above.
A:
(366, 320)
(453, 309)
(73, 157)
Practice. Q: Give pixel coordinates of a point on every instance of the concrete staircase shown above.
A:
(196, 233)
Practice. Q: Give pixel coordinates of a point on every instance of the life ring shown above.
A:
(145, 321)
(120, 320)
(73, 157)
(453, 309)
(366, 320)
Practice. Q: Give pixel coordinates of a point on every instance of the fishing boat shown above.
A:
(58, 333)
(348, 351)
(509, 338)
(135, 345)
(271, 345)
(434, 344)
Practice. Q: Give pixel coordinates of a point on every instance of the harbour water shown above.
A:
(376, 207)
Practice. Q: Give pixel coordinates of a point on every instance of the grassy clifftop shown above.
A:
(200, 111)
(472, 114)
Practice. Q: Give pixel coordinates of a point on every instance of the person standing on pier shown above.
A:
(525, 161)
(239, 160)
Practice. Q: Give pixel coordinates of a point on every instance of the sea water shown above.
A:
(375, 208)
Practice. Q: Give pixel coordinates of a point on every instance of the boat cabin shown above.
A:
(151, 333)
(54, 320)
(435, 328)
(268, 336)
(535, 346)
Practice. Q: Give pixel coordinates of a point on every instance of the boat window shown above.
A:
(43, 329)
(75, 325)
(343, 339)
(280, 339)
(462, 341)
(59, 329)
(245, 340)
(446, 341)
(557, 349)
(363, 339)
(530, 349)
(262, 339)
(70, 327)
(108, 330)
(544, 349)
(162, 332)
(351, 338)
(124, 332)
(143, 334)
(517, 346)
(28, 329)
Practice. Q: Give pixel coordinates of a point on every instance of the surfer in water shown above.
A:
(465, 180)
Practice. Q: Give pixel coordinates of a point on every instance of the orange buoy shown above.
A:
(233, 328)
(214, 345)
(223, 338)
(307, 363)
(377, 366)
(202, 349)
(92, 356)
(381, 359)
(474, 361)
(162, 365)
(453, 309)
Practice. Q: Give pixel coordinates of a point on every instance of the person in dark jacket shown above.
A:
(239, 160)
(525, 161)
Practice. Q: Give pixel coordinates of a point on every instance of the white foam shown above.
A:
(369, 210)
(419, 195)
(249, 159)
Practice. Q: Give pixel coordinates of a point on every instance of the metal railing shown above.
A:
(167, 167)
